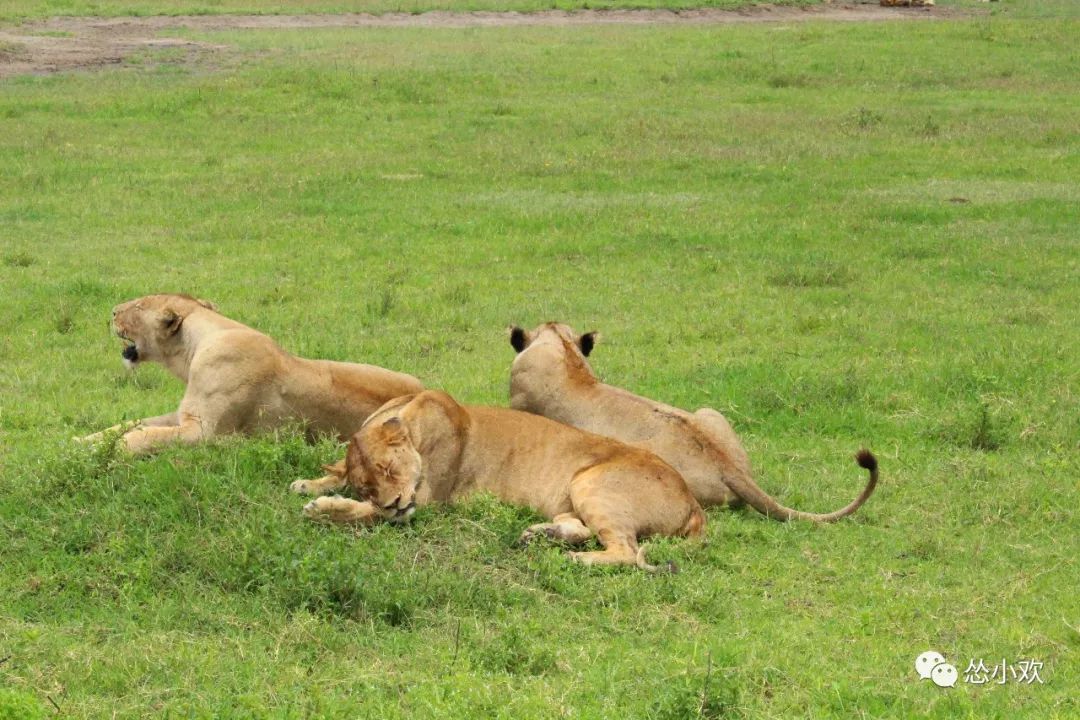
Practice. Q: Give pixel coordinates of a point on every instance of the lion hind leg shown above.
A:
(619, 549)
(620, 543)
(566, 527)
(617, 507)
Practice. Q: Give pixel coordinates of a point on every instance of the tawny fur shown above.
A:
(427, 448)
(238, 379)
(551, 377)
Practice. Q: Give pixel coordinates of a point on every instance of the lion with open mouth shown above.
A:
(238, 379)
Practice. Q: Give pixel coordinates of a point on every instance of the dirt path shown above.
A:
(72, 43)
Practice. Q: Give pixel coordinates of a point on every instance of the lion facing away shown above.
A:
(427, 448)
(238, 379)
(551, 377)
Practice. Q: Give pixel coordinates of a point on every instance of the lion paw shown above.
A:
(317, 509)
(118, 430)
(300, 487)
(537, 531)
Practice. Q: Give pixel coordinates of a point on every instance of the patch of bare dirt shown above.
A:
(72, 43)
(42, 54)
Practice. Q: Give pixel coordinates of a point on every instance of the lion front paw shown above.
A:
(337, 509)
(300, 487)
(117, 431)
(318, 509)
(536, 531)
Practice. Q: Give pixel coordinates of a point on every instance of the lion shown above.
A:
(238, 379)
(426, 448)
(551, 377)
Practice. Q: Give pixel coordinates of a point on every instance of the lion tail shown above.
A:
(642, 563)
(764, 503)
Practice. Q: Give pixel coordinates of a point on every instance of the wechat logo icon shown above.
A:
(931, 665)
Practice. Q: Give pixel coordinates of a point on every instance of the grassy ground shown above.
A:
(20, 9)
(837, 235)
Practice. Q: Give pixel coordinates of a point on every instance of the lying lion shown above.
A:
(427, 448)
(551, 377)
(238, 380)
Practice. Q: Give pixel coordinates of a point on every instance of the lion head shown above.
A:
(383, 467)
(149, 325)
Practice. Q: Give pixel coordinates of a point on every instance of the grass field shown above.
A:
(13, 10)
(21, 9)
(838, 235)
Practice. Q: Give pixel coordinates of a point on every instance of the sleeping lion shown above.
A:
(427, 448)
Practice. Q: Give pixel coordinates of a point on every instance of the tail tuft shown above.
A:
(866, 460)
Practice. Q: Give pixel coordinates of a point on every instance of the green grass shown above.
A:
(23, 10)
(838, 235)
(27, 9)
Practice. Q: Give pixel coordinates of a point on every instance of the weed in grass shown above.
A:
(976, 429)
(97, 469)
(914, 249)
(797, 80)
(458, 295)
(816, 275)
(383, 303)
(930, 127)
(65, 321)
(85, 290)
(710, 693)
(862, 120)
(985, 433)
(11, 50)
(517, 650)
(20, 705)
(18, 260)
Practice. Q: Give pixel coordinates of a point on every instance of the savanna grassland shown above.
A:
(838, 235)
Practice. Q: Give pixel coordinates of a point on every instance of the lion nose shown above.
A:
(401, 502)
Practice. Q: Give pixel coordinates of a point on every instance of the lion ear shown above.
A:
(207, 304)
(518, 338)
(587, 341)
(394, 432)
(171, 322)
